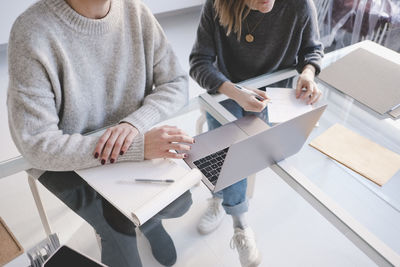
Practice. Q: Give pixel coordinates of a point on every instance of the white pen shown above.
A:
(393, 108)
(168, 181)
(258, 97)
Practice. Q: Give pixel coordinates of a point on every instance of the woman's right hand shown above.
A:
(247, 101)
(160, 140)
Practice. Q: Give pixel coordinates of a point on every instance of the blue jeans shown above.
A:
(234, 197)
(117, 232)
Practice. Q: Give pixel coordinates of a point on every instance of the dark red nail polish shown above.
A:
(112, 160)
(96, 155)
(103, 161)
(185, 155)
(121, 152)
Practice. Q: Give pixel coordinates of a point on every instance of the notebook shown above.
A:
(137, 200)
(358, 153)
(366, 77)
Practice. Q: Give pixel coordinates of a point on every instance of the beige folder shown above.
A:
(360, 154)
(10, 248)
(366, 77)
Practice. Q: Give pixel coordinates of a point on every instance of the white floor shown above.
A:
(289, 231)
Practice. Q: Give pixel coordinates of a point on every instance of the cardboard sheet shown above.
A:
(9, 246)
(358, 153)
(366, 77)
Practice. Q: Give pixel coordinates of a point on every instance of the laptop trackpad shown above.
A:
(252, 125)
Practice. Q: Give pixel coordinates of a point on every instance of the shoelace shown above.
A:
(214, 206)
(241, 241)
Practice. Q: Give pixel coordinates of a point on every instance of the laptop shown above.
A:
(238, 149)
(65, 256)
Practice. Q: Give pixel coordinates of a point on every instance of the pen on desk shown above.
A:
(167, 181)
(258, 97)
(395, 107)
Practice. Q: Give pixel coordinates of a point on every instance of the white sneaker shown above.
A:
(245, 243)
(213, 216)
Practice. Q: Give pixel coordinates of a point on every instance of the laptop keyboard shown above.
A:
(211, 165)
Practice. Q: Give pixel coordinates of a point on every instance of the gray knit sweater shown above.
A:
(69, 75)
(285, 37)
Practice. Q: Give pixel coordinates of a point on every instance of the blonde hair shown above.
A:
(231, 13)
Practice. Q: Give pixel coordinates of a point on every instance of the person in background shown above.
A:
(77, 66)
(237, 40)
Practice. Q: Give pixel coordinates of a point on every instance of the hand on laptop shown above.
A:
(306, 88)
(160, 140)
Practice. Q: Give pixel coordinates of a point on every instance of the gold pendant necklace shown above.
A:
(250, 37)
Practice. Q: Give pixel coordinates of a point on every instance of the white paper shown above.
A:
(116, 183)
(284, 105)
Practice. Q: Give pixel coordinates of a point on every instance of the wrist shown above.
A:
(309, 70)
(132, 127)
(229, 89)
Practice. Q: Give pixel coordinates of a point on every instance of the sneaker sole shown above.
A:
(257, 262)
(206, 232)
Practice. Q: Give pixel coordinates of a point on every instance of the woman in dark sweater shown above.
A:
(240, 39)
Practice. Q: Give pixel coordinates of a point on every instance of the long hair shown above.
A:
(231, 13)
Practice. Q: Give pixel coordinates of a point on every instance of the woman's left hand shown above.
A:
(115, 141)
(306, 81)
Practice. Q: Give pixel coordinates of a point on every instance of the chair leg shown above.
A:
(251, 182)
(39, 205)
(98, 239)
(200, 122)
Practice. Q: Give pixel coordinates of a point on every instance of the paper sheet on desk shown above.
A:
(140, 201)
(284, 105)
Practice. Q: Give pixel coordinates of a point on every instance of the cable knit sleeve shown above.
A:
(32, 112)
(168, 83)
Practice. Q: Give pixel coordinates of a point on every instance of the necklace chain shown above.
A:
(249, 36)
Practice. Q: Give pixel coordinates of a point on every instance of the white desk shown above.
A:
(367, 214)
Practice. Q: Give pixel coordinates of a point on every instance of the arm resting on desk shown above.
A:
(170, 92)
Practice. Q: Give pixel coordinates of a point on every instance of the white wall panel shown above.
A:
(160, 6)
(10, 10)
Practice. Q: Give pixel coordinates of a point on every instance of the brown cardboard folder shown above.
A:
(358, 153)
(9, 246)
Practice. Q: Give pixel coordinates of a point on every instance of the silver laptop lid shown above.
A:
(260, 151)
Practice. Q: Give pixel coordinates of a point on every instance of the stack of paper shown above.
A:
(284, 105)
(136, 200)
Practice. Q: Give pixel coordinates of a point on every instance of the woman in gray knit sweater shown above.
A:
(76, 66)
(237, 40)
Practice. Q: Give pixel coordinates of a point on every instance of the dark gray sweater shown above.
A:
(287, 36)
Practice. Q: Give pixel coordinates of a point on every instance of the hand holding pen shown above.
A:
(251, 92)
(251, 99)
